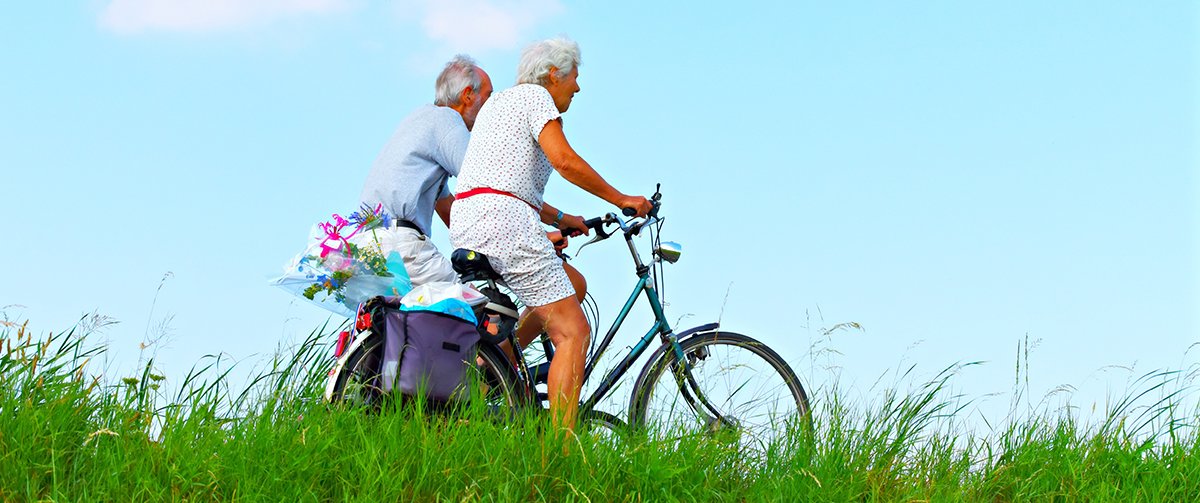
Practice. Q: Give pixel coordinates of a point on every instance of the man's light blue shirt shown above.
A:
(412, 171)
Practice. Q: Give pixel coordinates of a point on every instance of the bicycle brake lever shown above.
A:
(601, 233)
(598, 237)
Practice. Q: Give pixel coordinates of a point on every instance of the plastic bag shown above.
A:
(454, 299)
(337, 275)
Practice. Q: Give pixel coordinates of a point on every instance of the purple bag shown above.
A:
(425, 351)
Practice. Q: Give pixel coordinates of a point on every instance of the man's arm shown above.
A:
(442, 207)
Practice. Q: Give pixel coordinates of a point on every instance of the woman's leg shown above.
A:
(527, 332)
(567, 326)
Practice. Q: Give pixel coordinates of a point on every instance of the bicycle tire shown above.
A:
(603, 425)
(357, 383)
(754, 392)
(496, 381)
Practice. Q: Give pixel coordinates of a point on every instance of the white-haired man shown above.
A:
(409, 178)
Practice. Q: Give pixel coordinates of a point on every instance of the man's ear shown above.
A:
(552, 77)
(466, 96)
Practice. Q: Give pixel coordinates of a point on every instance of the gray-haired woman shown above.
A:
(516, 144)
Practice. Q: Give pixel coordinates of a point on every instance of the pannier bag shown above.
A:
(429, 342)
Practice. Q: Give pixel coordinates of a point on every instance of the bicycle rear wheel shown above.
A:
(738, 390)
(358, 384)
(493, 381)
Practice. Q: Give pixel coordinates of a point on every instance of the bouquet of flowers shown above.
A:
(341, 268)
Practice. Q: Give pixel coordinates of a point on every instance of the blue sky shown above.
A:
(955, 177)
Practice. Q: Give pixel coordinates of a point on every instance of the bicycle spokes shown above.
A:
(727, 387)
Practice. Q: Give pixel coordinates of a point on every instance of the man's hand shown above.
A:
(558, 239)
(572, 225)
(639, 204)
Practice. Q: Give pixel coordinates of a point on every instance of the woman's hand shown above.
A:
(639, 204)
(572, 225)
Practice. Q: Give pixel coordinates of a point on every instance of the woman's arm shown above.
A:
(572, 224)
(548, 214)
(577, 171)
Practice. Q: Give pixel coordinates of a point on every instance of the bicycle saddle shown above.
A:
(472, 265)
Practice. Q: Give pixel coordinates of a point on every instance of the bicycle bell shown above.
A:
(669, 251)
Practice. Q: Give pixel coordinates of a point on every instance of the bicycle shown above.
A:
(703, 380)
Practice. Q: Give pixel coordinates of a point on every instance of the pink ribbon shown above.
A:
(333, 234)
(334, 241)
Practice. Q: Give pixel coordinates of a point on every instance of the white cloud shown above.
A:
(135, 16)
(479, 25)
(459, 25)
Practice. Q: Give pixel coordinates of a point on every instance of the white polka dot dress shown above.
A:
(504, 155)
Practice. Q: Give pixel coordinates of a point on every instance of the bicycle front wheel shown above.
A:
(732, 387)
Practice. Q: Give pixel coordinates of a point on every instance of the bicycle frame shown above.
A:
(661, 328)
(528, 378)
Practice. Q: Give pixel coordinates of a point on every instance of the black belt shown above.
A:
(400, 222)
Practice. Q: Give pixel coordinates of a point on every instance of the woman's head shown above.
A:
(553, 64)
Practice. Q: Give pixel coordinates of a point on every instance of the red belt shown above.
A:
(488, 190)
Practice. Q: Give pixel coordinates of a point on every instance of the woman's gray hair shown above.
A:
(460, 73)
(561, 53)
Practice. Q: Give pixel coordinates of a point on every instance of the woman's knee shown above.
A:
(565, 322)
(577, 281)
(571, 330)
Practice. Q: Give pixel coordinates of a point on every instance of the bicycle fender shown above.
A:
(707, 327)
(658, 353)
(340, 364)
(680, 337)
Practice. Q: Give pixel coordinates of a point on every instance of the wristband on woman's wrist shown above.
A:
(558, 219)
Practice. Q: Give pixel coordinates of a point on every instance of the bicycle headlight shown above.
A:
(669, 251)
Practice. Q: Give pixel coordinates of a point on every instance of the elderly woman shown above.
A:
(516, 144)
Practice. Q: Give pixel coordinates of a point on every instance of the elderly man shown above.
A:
(410, 175)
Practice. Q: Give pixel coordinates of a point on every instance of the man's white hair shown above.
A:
(560, 53)
(460, 73)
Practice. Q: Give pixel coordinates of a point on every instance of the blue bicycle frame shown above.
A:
(660, 327)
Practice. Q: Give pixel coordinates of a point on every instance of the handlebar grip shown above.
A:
(594, 223)
(629, 212)
(655, 205)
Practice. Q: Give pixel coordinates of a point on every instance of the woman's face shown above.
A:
(563, 89)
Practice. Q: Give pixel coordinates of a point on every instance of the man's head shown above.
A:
(553, 64)
(464, 87)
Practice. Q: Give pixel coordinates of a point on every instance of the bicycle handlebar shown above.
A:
(630, 227)
(595, 224)
(654, 202)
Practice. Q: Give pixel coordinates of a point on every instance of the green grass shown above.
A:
(66, 435)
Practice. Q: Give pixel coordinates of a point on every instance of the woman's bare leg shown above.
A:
(527, 332)
(564, 321)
